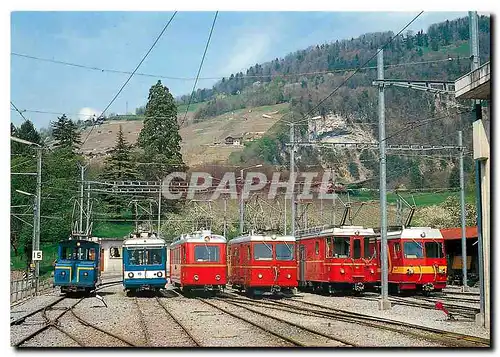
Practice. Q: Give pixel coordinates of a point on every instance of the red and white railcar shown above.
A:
(416, 260)
(198, 261)
(336, 258)
(261, 263)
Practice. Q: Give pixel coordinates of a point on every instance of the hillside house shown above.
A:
(233, 140)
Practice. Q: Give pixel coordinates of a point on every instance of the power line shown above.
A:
(358, 69)
(132, 74)
(199, 69)
(339, 70)
(17, 110)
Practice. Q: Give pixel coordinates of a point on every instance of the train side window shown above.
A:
(357, 249)
(433, 250)
(366, 246)
(397, 250)
(114, 252)
(316, 247)
(341, 247)
(248, 253)
(328, 247)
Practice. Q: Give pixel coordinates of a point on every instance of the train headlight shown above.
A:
(130, 275)
(409, 271)
(372, 271)
(85, 274)
(196, 277)
(289, 276)
(217, 277)
(63, 273)
(260, 276)
(442, 271)
(159, 274)
(342, 271)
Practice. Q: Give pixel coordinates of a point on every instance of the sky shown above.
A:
(119, 40)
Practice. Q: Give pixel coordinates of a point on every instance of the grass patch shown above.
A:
(422, 199)
(112, 229)
(19, 262)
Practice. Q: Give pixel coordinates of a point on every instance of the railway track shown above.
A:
(288, 339)
(143, 323)
(460, 310)
(447, 338)
(178, 322)
(54, 323)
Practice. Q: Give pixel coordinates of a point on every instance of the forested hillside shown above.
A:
(306, 77)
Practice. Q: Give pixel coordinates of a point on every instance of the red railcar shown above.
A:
(336, 258)
(416, 260)
(262, 263)
(198, 261)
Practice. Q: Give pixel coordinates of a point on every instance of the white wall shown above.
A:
(112, 265)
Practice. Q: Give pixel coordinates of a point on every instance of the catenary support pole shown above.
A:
(292, 175)
(462, 214)
(384, 303)
(482, 248)
(38, 199)
(242, 206)
(159, 208)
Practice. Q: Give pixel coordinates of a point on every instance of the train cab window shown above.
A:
(284, 251)
(357, 249)
(413, 250)
(114, 252)
(262, 251)
(366, 246)
(91, 254)
(206, 253)
(341, 247)
(433, 250)
(328, 247)
(154, 256)
(316, 248)
(248, 253)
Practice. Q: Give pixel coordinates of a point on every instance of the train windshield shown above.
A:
(78, 253)
(341, 247)
(262, 251)
(413, 250)
(206, 253)
(284, 251)
(433, 250)
(151, 256)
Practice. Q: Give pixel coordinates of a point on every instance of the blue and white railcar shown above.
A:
(144, 263)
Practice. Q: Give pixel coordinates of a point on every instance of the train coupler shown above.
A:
(275, 289)
(428, 287)
(358, 287)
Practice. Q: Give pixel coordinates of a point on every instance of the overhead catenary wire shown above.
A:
(201, 66)
(17, 110)
(132, 74)
(313, 73)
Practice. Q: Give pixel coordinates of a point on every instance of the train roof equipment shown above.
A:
(258, 237)
(201, 236)
(338, 231)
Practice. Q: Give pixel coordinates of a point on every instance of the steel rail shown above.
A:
(178, 322)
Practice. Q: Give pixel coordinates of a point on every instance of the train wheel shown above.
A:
(131, 292)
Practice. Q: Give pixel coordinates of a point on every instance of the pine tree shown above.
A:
(66, 134)
(26, 131)
(120, 166)
(160, 137)
(454, 180)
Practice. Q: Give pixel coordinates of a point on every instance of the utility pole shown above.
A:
(242, 206)
(38, 198)
(483, 270)
(285, 215)
(225, 217)
(292, 174)
(87, 225)
(462, 213)
(82, 177)
(384, 303)
(159, 207)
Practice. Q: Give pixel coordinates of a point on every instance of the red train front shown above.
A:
(198, 261)
(336, 258)
(262, 263)
(416, 260)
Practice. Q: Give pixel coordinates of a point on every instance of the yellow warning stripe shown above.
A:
(78, 272)
(424, 269)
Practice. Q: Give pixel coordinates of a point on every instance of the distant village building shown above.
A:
(233, 140)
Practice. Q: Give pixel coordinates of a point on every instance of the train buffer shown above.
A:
(439, 306)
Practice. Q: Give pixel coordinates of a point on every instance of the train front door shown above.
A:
(101, 260)
(302, 264)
